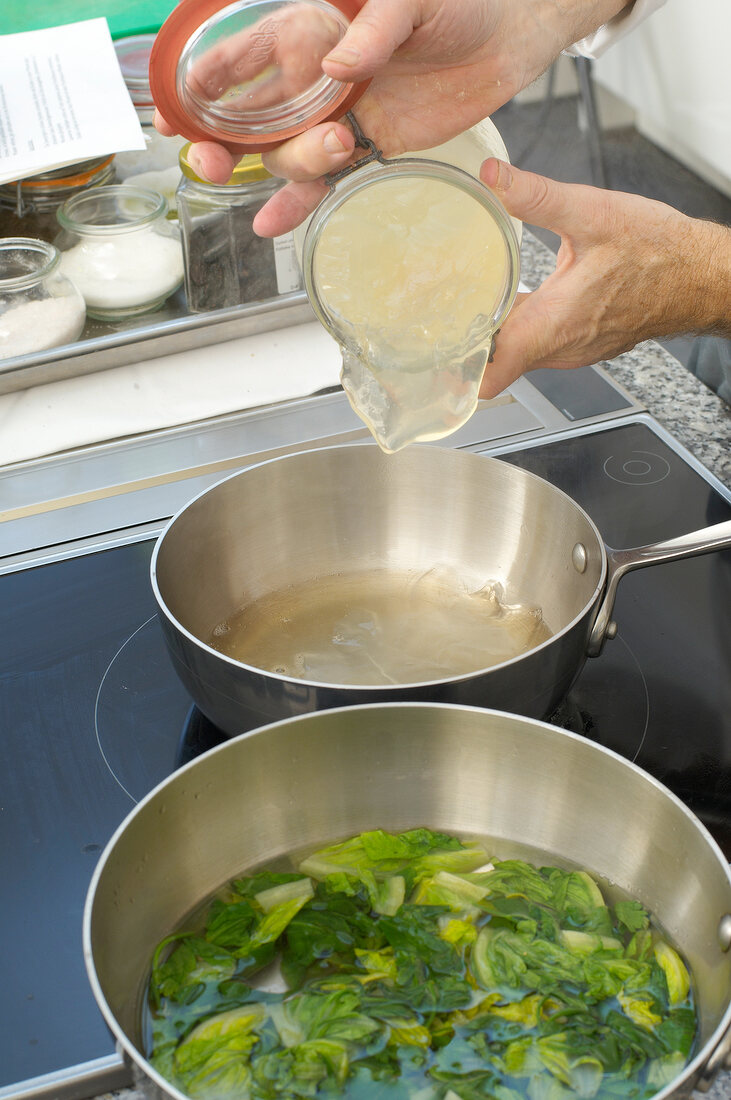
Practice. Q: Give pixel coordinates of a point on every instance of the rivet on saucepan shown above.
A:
(578, 557)
(724, 932)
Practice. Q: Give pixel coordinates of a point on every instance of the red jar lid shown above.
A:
(249, 74)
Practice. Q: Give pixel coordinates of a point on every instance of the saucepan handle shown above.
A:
(620, 562)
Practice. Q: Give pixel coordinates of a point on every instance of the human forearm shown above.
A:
(628, 269)
(572, 20)
(704, 274)
(624, 22)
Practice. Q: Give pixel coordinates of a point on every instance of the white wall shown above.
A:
(675, 71)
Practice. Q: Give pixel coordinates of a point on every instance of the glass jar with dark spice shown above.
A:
(226, 263)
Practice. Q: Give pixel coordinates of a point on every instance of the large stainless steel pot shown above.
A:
(317, 778)
(350, 509)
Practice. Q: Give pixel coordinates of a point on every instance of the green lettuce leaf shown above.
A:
(301, 1070)
(631, 915)
(415, 970)
(194, 962)
(214, 1057)
(676, 974)
(335, 1016)
(414, 854)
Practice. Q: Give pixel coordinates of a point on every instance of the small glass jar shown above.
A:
(120, 250)
(28, 207)
(226, 263)
(39, 307)
(158, 161)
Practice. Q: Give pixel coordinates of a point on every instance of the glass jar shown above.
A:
(28, 207)
(411, 265)
(157, 163)
(226, 264)
(39, 307)
(120, 250)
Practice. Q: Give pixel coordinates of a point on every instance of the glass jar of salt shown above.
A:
(120, 250)
(39, 307)
(411, 263)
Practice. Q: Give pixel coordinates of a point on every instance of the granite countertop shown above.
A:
(686, 408)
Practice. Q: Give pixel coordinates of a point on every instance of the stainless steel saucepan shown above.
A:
(311, 780)
(351, 509)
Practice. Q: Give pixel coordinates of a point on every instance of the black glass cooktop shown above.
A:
(92, 715)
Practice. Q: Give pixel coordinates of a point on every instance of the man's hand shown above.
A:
(438, 67)
(628, 269)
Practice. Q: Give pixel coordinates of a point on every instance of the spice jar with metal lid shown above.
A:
(411, 263)
(39, 307)
(120, 250)
(226, 263)
(28, 207)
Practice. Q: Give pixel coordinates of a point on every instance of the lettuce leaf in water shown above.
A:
(384, 896)
(214, 1058)
(239, 938)
(325, 933)
(414, 968)
(300, 1070)
(204, 973)
(413, 854)
(193, 964)
(335, 1016)
(673, 967)
(457, 892)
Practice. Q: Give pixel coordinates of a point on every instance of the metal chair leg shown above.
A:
(588, 100)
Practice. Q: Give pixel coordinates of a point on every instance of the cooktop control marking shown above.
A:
(648, 470)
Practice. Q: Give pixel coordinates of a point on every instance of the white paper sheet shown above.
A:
(175, 389)
(62, 99)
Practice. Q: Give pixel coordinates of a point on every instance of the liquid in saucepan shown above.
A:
(419, 965)
(381, 627)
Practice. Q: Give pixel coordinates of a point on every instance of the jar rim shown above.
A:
(381, 171)
(70, 175)
(247, 171)
(80, 213)
(133, 55)
(49, 257)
